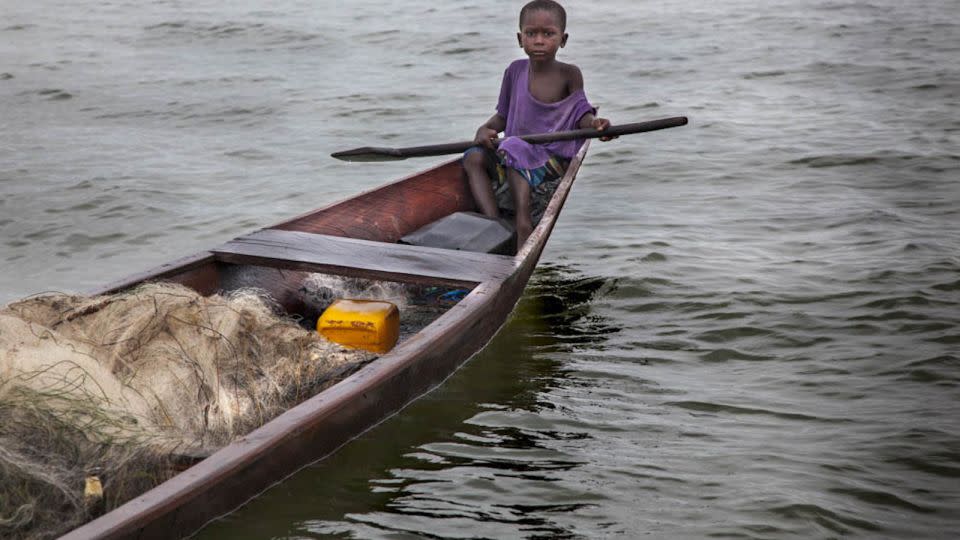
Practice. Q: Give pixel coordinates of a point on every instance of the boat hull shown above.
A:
(320, 425)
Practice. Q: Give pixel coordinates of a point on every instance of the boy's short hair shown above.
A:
(545, 5)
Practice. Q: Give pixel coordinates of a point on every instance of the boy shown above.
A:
(538, 94)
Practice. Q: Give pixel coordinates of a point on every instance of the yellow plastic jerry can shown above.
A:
(371, 325)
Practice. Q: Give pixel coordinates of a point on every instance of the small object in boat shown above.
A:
(438, 296)
(371, 325)
(93, 489)
(93, 495)
(454, 296)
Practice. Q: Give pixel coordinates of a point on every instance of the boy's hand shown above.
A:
(601, 124)
(485, 137)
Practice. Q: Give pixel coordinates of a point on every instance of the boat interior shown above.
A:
(361, 238)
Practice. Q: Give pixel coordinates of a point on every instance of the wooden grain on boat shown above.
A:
(355, 237)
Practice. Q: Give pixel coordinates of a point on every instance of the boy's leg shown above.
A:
(521, 201)
(475, 167)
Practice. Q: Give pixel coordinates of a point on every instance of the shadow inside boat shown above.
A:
(405, 475)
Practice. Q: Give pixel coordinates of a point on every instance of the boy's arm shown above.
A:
(588, 120)
(489, 130)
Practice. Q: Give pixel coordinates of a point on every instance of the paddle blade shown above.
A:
(369, 153)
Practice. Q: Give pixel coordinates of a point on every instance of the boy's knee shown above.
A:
(473, 159)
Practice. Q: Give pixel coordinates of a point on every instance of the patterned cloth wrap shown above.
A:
(543, 181)
(497, 169)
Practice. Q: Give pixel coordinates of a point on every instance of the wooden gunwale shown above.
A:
(200, 263)
(318, 426)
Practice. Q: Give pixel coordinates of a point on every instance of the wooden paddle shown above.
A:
(373, 153)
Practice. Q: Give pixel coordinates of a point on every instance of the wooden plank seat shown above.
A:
(322, 253)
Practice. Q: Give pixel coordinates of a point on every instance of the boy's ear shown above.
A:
(563, 41)
(519, 40)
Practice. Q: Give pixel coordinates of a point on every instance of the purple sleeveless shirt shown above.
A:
(526, 115)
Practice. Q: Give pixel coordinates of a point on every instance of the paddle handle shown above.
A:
(556, 136)
(612, 131)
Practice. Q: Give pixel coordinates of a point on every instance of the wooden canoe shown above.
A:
(355, 237)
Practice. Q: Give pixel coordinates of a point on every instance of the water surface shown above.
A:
(746, 327)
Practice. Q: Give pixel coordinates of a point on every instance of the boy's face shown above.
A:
(541, 36)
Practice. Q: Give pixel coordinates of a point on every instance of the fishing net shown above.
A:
(124, 386)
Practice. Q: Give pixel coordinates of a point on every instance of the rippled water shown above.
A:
(746, 327)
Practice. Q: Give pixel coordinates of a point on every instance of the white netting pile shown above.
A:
(119, 386)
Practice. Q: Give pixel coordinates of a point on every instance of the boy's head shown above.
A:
(545, 5)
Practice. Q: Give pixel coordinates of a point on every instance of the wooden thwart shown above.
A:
(363, 258)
